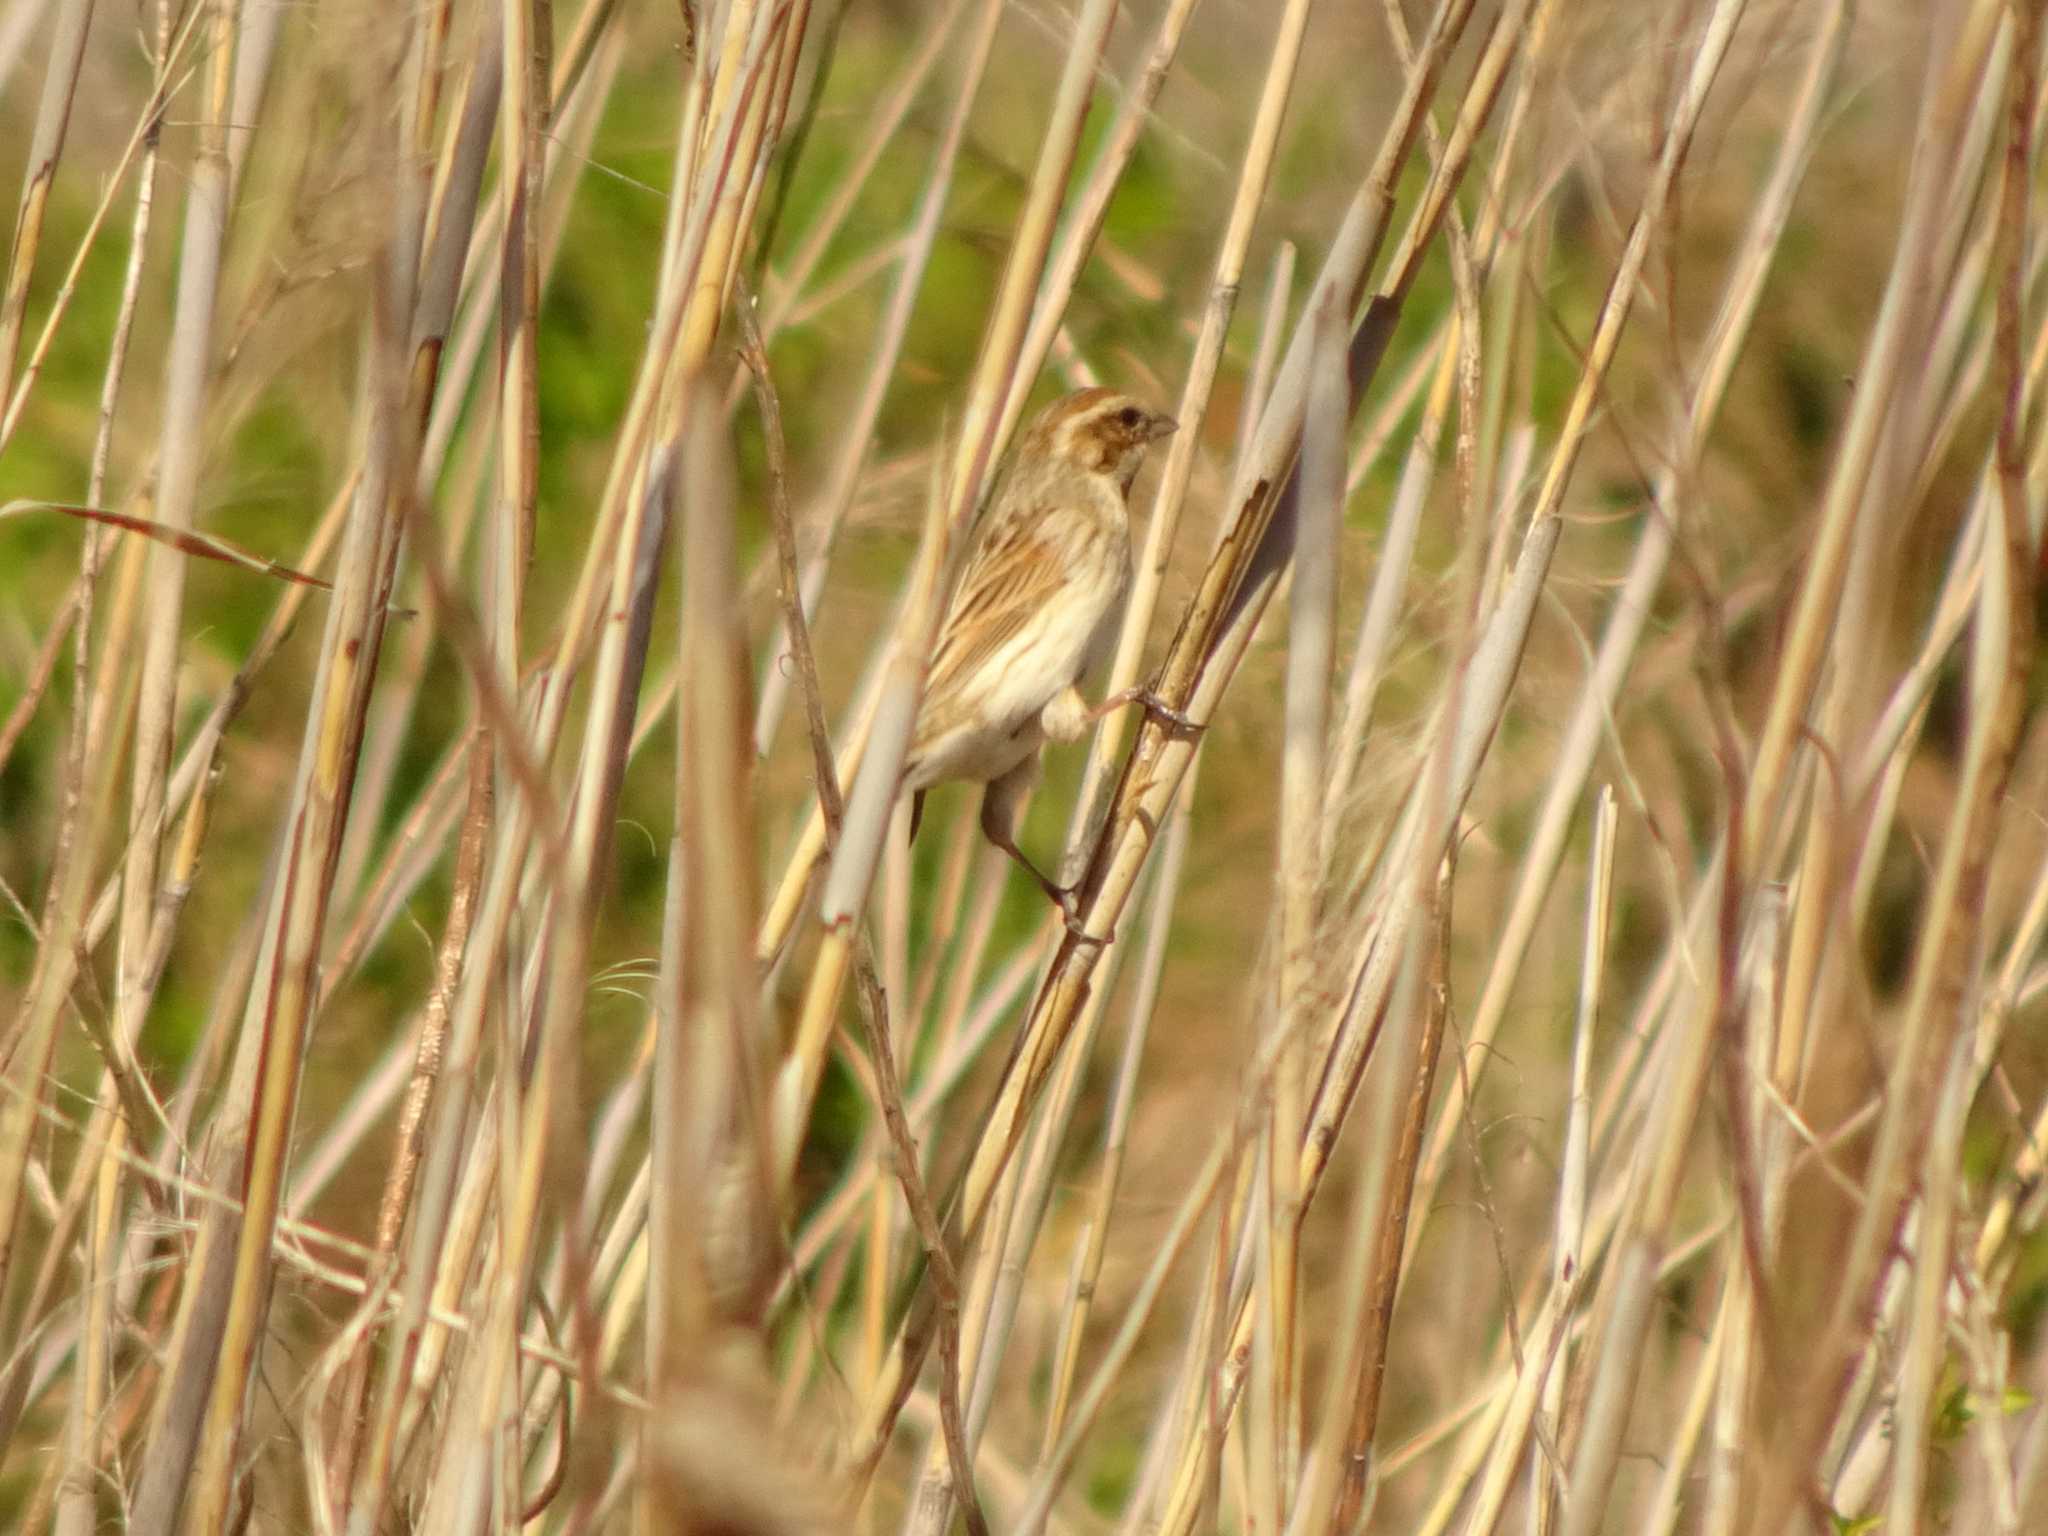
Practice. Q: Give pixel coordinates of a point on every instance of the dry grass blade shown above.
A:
(205, 546)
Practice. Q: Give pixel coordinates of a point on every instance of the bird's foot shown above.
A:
(1173, 719)
(1068, 899)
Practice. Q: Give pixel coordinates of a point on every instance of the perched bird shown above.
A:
(1040, 595)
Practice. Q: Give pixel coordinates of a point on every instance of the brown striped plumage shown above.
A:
(1039, 598)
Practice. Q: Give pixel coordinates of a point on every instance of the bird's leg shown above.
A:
(1066, 716)
(1154, 706)
(1000, 803)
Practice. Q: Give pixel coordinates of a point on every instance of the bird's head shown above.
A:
(1101, 431)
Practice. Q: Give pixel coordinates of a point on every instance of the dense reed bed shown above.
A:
(1557, 1047)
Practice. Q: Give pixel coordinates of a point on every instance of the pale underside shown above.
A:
(1036, 607)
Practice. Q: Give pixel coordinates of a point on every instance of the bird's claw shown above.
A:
(1165, 713)
(1173, 719)
(1068, 899)
(1082, 938)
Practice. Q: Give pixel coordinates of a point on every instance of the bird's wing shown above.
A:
(1011, 576)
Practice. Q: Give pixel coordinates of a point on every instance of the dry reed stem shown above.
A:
(283, 996)
(46, 150)
(945, 1277)
(2002, 619)
(873, 795)
(143, 145)
(206, 214)
(1592, 718)
(834, 502)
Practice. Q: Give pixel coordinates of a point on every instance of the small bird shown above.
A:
(1039, 599)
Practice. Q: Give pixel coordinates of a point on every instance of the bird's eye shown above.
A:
(1129, 416)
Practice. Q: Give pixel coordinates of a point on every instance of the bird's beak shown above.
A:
(1162, 426)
